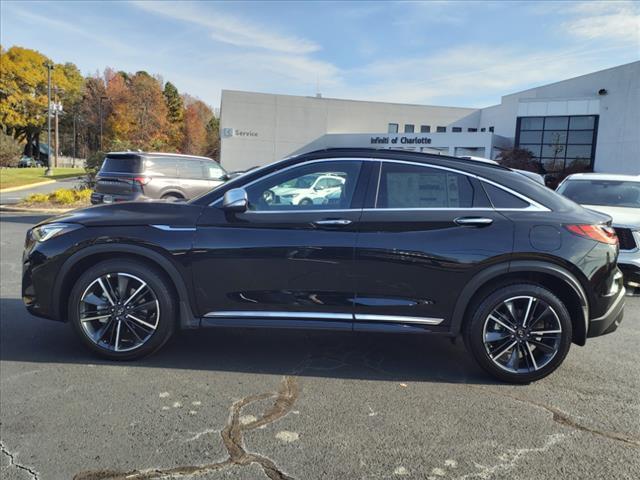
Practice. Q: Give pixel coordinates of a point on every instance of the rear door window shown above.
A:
(163, 167)
(190, 169)
(417, 186)
(122, 164)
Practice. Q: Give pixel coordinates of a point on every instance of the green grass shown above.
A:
(16, 177)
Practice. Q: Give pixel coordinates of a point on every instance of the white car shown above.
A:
(308, 189)
(619, 197)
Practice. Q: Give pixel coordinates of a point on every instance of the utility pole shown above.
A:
(49, 171)
(102, 97)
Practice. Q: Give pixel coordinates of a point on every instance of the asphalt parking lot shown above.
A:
(221, 404)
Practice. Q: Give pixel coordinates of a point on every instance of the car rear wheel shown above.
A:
(519, 333)
(122, 309)
(172, 198)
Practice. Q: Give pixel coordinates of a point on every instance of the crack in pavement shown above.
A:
(232, 437)
(563, 419)
(13, 463)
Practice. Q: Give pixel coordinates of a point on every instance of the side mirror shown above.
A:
(235, 200)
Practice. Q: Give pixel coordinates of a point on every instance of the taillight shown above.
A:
(141, 180)
(599, 233)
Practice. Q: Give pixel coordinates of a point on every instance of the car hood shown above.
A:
(281, 191)
(133, 213)
(622, 216)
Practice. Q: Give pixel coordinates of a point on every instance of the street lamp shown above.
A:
(49, 171)
(102, 97)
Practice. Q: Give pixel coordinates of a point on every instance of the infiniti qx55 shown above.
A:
(406, 242)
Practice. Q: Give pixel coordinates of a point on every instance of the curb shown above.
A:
(26, 187)
(53, 211)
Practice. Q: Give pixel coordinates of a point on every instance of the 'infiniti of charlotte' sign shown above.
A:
(403, 140)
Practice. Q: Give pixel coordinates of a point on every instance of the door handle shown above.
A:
(474, 221)
(332, 222)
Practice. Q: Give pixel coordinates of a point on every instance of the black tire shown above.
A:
(173, 197)
(486, 338)
(305, 201)
(158, 289)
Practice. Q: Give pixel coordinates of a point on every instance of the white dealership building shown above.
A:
(591, 122)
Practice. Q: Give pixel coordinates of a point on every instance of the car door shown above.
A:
(281, 262)
(427, 230)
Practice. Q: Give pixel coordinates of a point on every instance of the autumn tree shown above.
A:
(23, 92)
(138, 113)
(175, 114)
(196, 117)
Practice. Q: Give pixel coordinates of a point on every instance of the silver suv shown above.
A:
(127, 176)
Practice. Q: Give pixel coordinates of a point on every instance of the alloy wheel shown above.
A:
(522, 334)
(119, 312)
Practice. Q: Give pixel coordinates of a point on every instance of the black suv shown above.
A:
(409, 242)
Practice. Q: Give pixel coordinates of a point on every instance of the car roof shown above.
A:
(603, 176)
(157, 154)
(395, 154)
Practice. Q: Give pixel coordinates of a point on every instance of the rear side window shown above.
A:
(190, 169)
(164, 167)
(415, 186)
(501, 199)
(122, 164)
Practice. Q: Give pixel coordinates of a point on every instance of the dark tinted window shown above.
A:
(425, 128)
(602, 192)
(501, 199)
(190, 168)
(393, 128)
(441, 129)
(456, 129)
(409, 128)
(125, 164)
(160, 166)
(415, 186)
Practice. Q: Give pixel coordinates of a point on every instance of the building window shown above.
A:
(472, 129)
(409, 128)
(456, 129)
(563, 144)
(425, 128)
(491, 129)
(393, 128)
(483, 129)
(441, 129)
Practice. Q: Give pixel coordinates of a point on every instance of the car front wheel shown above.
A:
(122, 309)
(519, 333)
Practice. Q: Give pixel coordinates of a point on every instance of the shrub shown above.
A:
(93, 164)
(37, 198)
(83, 194)
(63, 196)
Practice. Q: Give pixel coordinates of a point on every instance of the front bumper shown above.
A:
(610, 321)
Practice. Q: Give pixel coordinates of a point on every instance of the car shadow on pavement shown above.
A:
(390, 357)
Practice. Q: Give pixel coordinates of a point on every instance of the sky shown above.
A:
(455, 53)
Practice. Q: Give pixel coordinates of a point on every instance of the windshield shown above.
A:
(602, 192)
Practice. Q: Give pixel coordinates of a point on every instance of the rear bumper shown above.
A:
(629, 264)
(98, 198)
(610, 321)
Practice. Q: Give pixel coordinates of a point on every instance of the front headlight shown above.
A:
(45, 232)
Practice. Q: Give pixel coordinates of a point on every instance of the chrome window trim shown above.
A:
(269, 314)
(315, 160)
(533, 205)
(398, 319)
